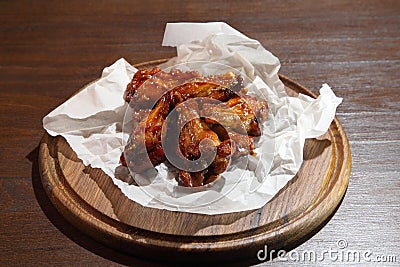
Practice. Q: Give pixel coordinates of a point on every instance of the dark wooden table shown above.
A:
(48, 50)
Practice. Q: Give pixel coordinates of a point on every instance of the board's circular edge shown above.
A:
(125, 241)
(147, 244)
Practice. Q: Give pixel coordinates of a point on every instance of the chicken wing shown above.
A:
(145, 139)
(145, 94)
(246, 108)
(241, 144)
(196, 141)
(210, 174)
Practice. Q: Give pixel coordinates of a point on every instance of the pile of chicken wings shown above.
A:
(223, 119)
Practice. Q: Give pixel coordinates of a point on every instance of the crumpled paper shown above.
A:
(91, 122)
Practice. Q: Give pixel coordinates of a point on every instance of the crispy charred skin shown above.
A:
(241, 144)
(230, 80)
(192, 133)
(212, 173)
(137, 81)
(246, 108)
(149, 133)
(205, 89)
(146, 94)
(259, 107)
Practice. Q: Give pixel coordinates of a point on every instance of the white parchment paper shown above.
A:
(91, 122)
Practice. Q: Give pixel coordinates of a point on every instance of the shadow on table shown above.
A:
(110, 254)
(70, 231)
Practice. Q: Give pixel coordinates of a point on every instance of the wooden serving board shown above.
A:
(88, 199)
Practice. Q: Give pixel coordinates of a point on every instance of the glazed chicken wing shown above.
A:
(195, 140)
(212, 173)
(147, 86)
(241, 144)
(145, 139)
(246, 108)
(196, 147)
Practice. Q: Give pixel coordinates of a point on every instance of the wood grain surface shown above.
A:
(88, 199)
(49, 49)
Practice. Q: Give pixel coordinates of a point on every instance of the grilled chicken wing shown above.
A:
(146, 137)
(145, 94)
(212, 173)
(245, 108)
(196, 144)
(205, 155)
(241, 144)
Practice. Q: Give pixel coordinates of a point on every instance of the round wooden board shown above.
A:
(88, 199)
